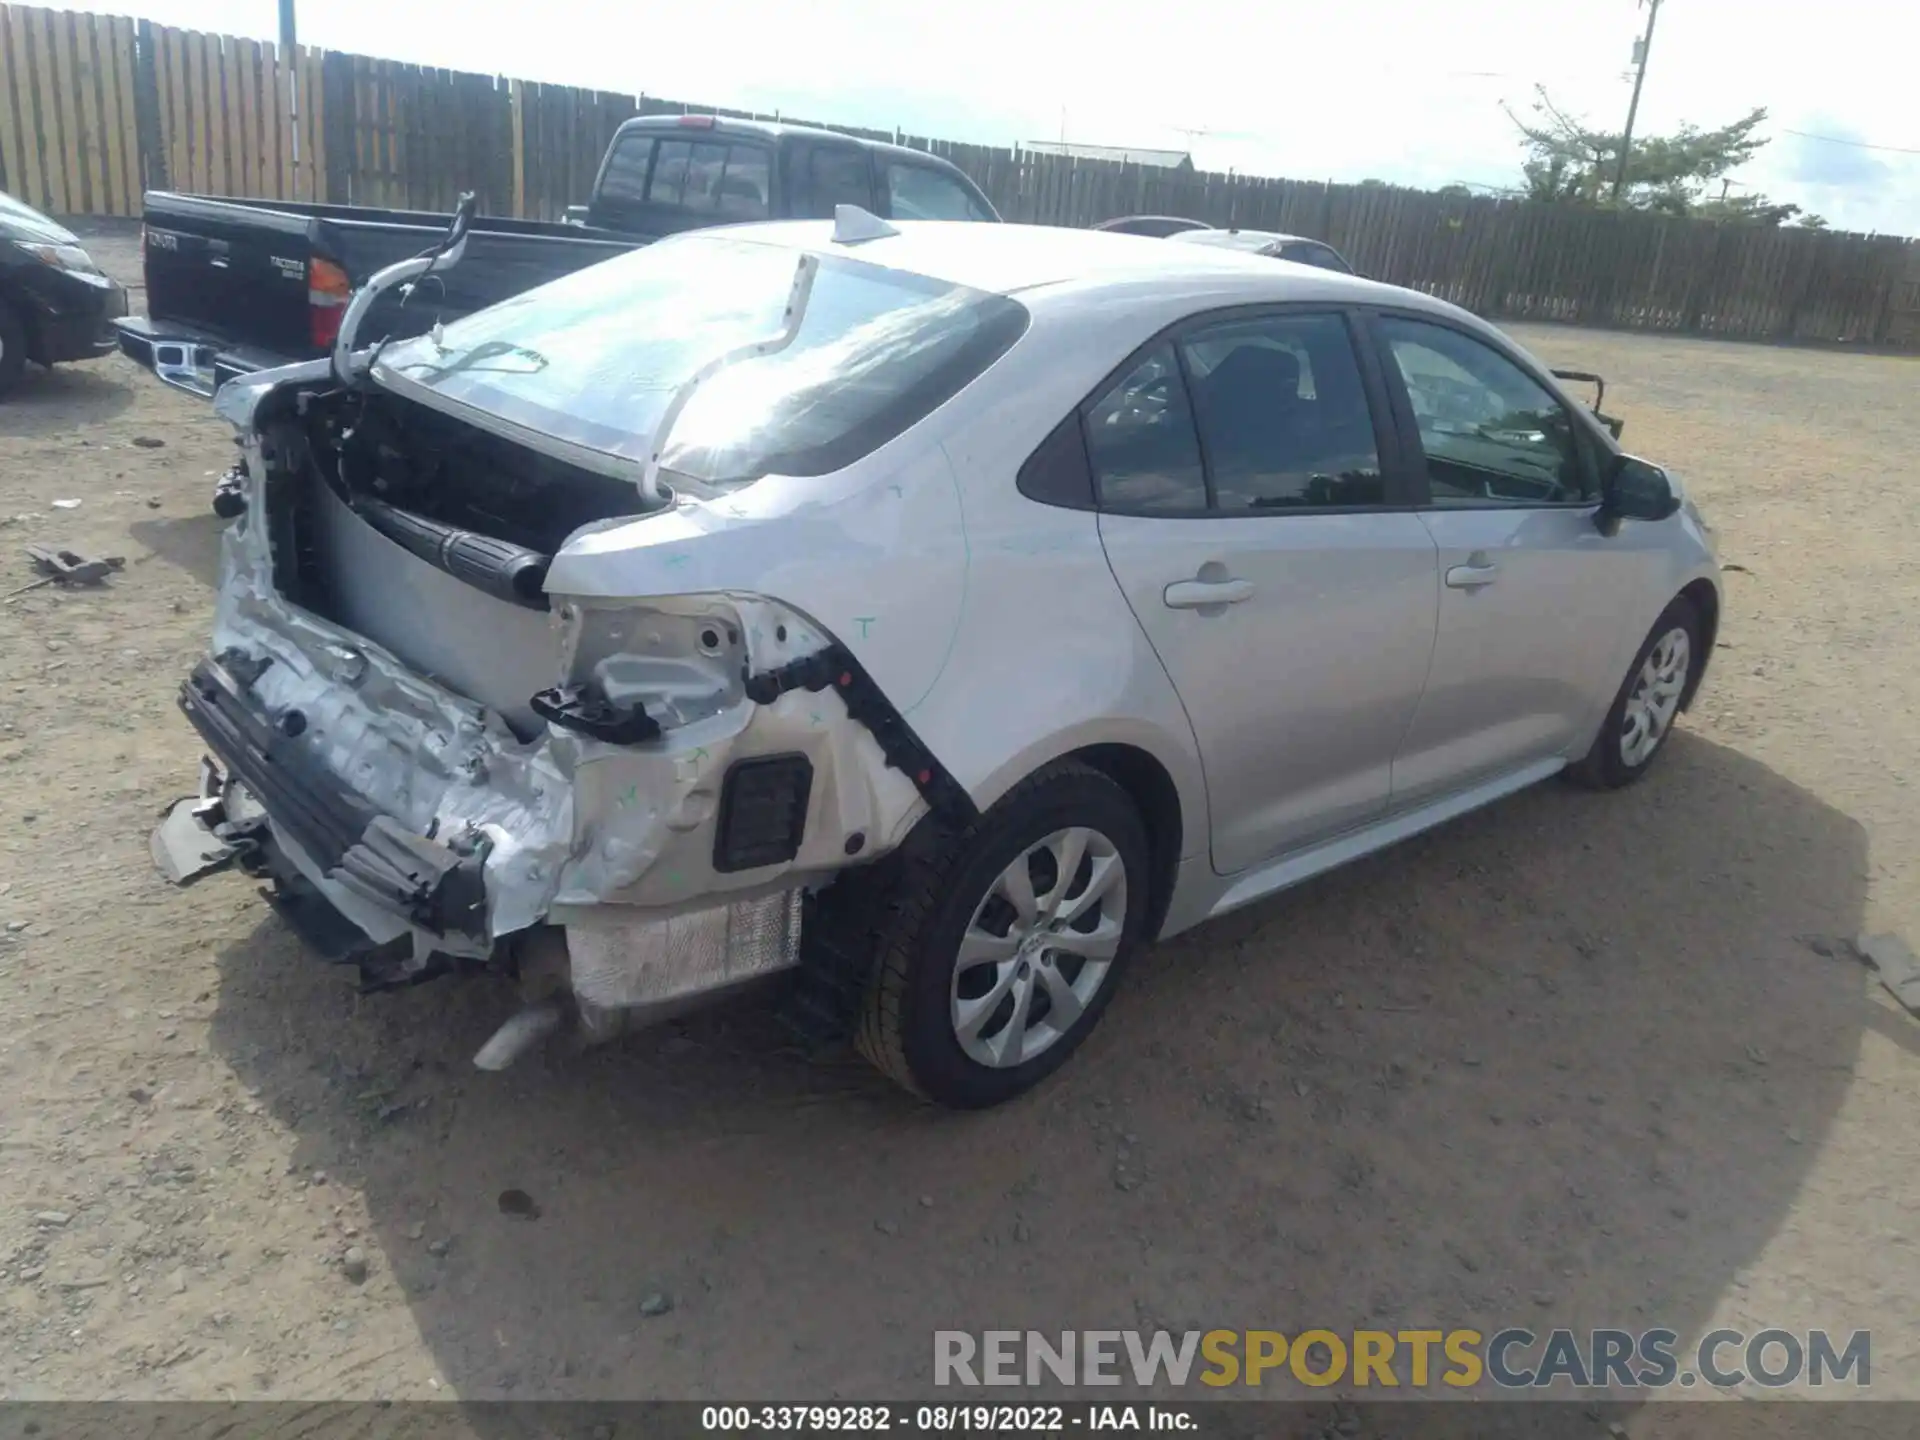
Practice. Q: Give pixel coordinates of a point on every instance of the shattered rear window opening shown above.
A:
(594, 359)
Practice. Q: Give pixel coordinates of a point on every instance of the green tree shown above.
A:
(1569, 162)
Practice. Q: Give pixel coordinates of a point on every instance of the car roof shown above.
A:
(1178, 223)
(778, 130)
(1240, 239)
(1008, 259)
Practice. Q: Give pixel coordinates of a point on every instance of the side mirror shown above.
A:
(1634, 489)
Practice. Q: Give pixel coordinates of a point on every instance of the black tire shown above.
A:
(921, 904)
(13, 349)
(1605, 765)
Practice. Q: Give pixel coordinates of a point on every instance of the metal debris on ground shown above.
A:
(1893, 961)
(59, 566)
(196, 837)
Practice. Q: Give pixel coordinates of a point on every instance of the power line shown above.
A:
(1857, 144)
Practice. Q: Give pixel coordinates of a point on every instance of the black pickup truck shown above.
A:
(235, 286)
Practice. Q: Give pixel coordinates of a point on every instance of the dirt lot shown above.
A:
(1578, 1060)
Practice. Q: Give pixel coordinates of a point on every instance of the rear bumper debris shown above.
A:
(188, 843)
(427, 885)
(622, 801)
(408, 830)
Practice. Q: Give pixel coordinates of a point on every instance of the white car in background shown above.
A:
(938, 611)
(1271, 243)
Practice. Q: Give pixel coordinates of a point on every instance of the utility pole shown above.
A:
(287, 52)
(1640, 51)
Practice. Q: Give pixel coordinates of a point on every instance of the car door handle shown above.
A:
(1197, 594)
(1471, 577)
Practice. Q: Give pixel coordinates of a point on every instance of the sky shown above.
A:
(1405, 92)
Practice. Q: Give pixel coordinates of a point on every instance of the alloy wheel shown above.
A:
(1655, 698)
(1039, 947)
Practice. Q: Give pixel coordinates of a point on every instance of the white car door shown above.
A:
(1287, 587)
(1532, 595)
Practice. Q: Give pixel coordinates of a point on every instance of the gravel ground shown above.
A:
(1580, 1060)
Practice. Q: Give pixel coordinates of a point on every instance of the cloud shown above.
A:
(1828, 164)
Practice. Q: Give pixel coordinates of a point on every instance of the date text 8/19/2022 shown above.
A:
(938, 1419)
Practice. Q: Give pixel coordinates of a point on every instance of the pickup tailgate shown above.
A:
(230, 272)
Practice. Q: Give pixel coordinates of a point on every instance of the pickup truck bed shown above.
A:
(235, 286)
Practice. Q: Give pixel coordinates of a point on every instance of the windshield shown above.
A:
(594, 359)
(15, 215)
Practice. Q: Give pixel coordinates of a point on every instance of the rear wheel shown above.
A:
(1002, 946)
(13, 348)
(1636, 728)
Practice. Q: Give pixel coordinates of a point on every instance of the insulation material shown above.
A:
(619, 965)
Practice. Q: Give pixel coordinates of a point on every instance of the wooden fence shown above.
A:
(94, 109)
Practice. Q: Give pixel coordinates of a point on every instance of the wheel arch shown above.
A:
(24, 317)
(1704, 596)
(1160, 773)
(1157, 798)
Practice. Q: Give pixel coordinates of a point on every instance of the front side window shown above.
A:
(1493, 435)
(917, 192)
(1141, 441)
(595, 357)
(1283, 414)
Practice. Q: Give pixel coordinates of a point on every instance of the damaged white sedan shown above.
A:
(923, 614)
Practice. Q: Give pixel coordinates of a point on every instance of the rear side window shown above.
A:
(1246, 416)
(1141, 440)
(1283, 413)
(919, 192)
(705, 177)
